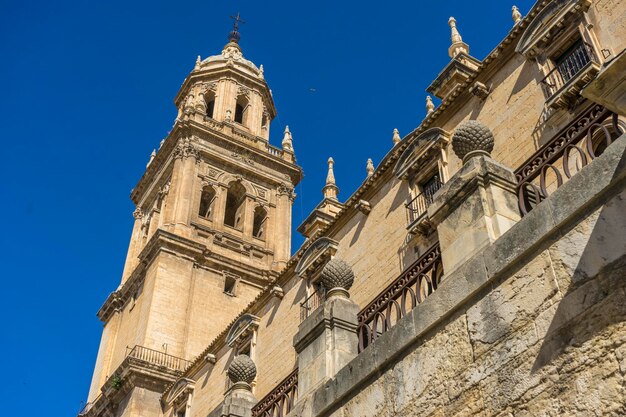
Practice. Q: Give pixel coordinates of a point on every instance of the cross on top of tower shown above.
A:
(234, 36)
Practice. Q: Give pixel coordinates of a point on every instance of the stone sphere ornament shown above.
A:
(472, 138)
(337, 274)
(242, 369)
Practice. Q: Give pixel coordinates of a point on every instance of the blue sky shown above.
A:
(87, 93)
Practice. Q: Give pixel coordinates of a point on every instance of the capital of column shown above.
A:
(185, 149)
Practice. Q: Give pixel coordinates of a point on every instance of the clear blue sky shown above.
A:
(87, 91)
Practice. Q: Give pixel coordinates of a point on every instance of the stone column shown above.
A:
(282, 224)
(239, 400)
(327, 340)
(248, 216)
(188, 154)
(478, 204)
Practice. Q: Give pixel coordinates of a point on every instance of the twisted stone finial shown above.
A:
(152, 156)
(287, 140)
(472, 138)
(458, 45)
(396, 137)
(261, 71)
(242, 369)
(430, 106)
(370, 167)
(337, 274)
(198, 62)
(330, 190)
(516, 15)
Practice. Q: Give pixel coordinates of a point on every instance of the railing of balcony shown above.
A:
(402, 296)
(312, 303)
(154, 357)
(280, 400)
(273, 150)
(565, 154)
(417, 207)
(577, 59)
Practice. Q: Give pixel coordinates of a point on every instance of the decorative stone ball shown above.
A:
(337, 274)
(472, 137)
(242, 369)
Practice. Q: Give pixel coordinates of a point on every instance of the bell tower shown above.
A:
(212, 227)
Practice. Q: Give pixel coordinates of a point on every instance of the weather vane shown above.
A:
(234, 36)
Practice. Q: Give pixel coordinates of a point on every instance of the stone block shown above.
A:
(512, 303)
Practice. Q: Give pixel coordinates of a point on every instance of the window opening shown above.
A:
(235, 199)
(206, 202)
(258, 227)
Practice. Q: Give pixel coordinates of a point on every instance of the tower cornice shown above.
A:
(214, 133)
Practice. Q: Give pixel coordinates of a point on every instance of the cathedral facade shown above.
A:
(477, 270)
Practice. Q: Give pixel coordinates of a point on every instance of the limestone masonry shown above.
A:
(480, 268)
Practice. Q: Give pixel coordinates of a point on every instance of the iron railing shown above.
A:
(565, 154)
(417, 207)
(576, 60)
(280, 400)
(402, 296)
(155, 357)
(312, 303)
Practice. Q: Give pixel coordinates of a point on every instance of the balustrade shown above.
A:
(402, 296)
(280, 400)
(565, 154)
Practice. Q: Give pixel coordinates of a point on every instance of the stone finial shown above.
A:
(261, 72)
(396, 137)
(516, 15)
(152, 156)
(330, 190)
(370, 167)
(287, 140)
(430, 106)
(337, 274)
(458, 45)
(472, 138)
(242, 369)
(198, 62)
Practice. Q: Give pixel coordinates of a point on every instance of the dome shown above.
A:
(230, 53)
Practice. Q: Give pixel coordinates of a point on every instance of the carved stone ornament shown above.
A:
(242, 369)
(472, 138)
(337, 274)
(185, 149)
(138, 213)
(284, 189)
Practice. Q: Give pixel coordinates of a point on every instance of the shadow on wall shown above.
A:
(594, 299)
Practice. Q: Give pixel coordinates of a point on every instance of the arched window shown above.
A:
(258, 227)
(207, 199)
(241, 110)
(235, 199)
(209, 100)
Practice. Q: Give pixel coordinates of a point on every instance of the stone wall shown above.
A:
(535, 325)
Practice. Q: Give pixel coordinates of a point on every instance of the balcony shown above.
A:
(312, 303)
(418, 221)
(142, 366)
(279, 402)
(408, 290)
(572, 71)
(565, 154)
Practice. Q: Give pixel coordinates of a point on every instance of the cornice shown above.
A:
(164, 241)
(184, 129)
